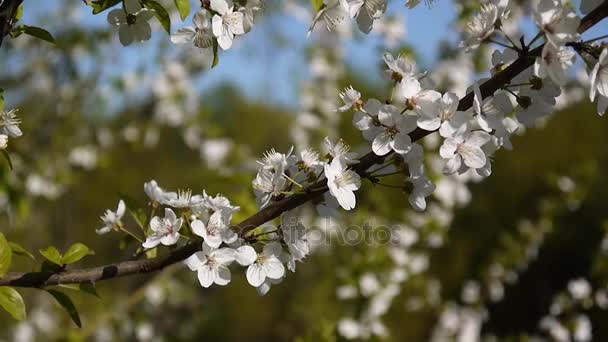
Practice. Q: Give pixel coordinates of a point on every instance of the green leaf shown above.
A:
(52, 255)
(102, 5)
(90, 289)
(12, 302)
(19, 14)
(161, 14)
(1, 99)
(84, 287)
(33, 31)
(6, 255)
(183, 6)
(68, 305)
(317, 5)
(76, 252)
(19, 250)
(8, 158)
(216, 54)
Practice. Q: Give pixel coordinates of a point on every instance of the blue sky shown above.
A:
(263, 71)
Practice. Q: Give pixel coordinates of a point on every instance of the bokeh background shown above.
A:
(100, 119)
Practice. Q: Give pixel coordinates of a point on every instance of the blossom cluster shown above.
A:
(209, 219)
(470, 135)
(9, 127)
(220, 21)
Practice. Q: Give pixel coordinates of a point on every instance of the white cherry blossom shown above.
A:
(366, 119)
(423, 187)
(131, 27)
(366, 11)
(267, 265)
(165, 230)
(598, 78)
(423, 102)
(9, 123)
(112, 219)
(182, 199)
(227, 23)
(481, 26)
(342, 183)
(351, 98)
(557, 20)
(401, 67)
(395, 131)
(211, 265)
(464, 149)
(215, 231)
(154, 191)
(200, 34)
(341, 151)
(294, 235)
(554, 62)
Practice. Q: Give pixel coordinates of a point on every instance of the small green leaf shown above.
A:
(183, 6)
(8, 158)
(161, 14)
(1, 99)
(76, 252)
(216, 54)
(84, 287)
(19, 250)
(152, 253)
(19, 14)
(317, 5)
(6, 255)
(52, 255)
(68, 305)
(90, 289)
(102, 5)
(12, 302)
(33, 31)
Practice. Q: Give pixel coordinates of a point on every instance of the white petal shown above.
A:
(124, 35)
(117, 17)
(478, 138)
(195, 261)
(120, 211)
(217, 25)
(245, 255)
(224, 256)
(475, 158)
(255, 275)
(381, 144)
(151, 241)
(453, 165)
(273, 268)
(346, 199)
(225, 40)
(448, 148)
(402, 143)
(223, 276)
(183, 36)
(198, 228)
(220, 6)
(170, 239)
(206, 275)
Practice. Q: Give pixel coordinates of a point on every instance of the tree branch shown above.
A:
(120, 269)
(8, 11)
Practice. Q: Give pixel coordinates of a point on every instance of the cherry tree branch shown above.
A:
(315, 191)
(8, 11)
